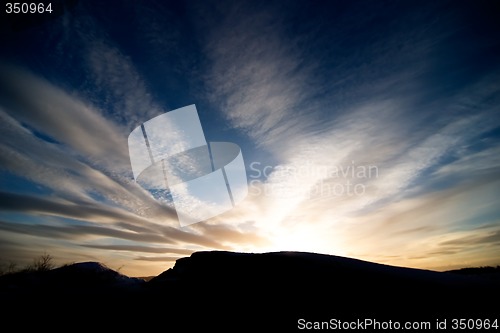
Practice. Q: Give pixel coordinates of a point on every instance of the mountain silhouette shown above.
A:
(267, 290)
(314, 285)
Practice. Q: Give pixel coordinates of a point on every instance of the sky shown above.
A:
(368, 129)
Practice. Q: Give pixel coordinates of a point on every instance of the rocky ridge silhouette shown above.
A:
(224, 289)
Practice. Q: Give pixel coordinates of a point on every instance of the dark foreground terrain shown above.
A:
(244, 292)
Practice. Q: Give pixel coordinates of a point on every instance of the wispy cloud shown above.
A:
(255, 75)
(80, 232)
(80, 157)
(83, 163)
(90, 211)
(156, 259)
(139, 248)
(128, 101)
(492, 237)
(58, 115)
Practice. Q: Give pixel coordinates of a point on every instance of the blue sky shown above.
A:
(314, 92)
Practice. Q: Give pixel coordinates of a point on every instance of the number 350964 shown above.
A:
(27, 8)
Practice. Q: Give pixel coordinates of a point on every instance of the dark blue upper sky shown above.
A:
(303, 87)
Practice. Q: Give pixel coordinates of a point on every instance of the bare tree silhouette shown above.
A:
(43, 263)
